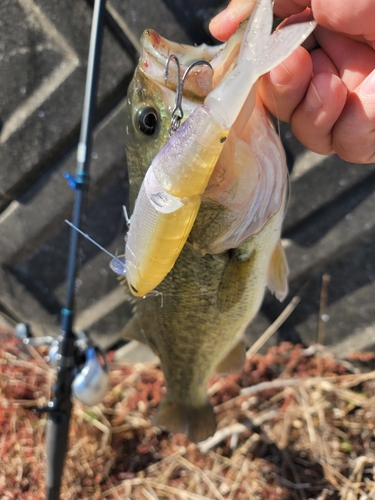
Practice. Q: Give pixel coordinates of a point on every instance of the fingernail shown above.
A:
(280, 76)
(312, 99)
(368, 85)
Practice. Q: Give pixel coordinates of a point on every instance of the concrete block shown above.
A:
(47, 77)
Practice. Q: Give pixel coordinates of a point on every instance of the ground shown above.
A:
(296, 423)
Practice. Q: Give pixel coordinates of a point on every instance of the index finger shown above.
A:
(226, 22)
(286, 8)
(345, 16)
(354, 60)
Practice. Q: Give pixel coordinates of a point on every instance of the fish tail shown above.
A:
(198, 422)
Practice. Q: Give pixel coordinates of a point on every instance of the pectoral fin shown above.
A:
(277, 279)
(234, 280)
(133, 330)
(234, 361)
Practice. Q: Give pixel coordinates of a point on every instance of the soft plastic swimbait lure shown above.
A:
(170, 195)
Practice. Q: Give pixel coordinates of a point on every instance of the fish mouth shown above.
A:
(201, 79)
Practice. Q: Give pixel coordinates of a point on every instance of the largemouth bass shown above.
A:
(233, 250)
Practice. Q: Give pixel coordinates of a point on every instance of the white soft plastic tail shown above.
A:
(260, 52)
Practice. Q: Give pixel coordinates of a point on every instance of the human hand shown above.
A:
(328, 93)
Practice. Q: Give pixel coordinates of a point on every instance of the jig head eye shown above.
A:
(147, 120)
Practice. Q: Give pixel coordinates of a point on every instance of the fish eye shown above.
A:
(147, 120)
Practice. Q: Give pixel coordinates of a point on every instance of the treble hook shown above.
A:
(177, 113)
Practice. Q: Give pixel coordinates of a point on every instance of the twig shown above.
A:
(25, 364)
(112, 489)
(345, 480)
(181, 451)
(19, 403)
(355, 379)
(247, 447)
(107, 431)
(220, 435)
(237, 482)
(359, 465)
(35, 354)
(262, 386)
(164, 477)
(307, 410)
(203, 475)
(237, 428)
(273, 384)
(326, 278)
(176, 492)
(274, 327)
(148, 495)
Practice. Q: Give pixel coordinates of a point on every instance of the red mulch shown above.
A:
(307, 433)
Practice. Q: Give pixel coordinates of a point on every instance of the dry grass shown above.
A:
(296, 424)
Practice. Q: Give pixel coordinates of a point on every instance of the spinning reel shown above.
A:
(90, 381)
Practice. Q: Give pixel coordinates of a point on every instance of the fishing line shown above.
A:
(118, 263)
(277, 115)
(289, 182)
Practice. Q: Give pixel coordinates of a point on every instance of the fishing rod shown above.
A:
(76, 359)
